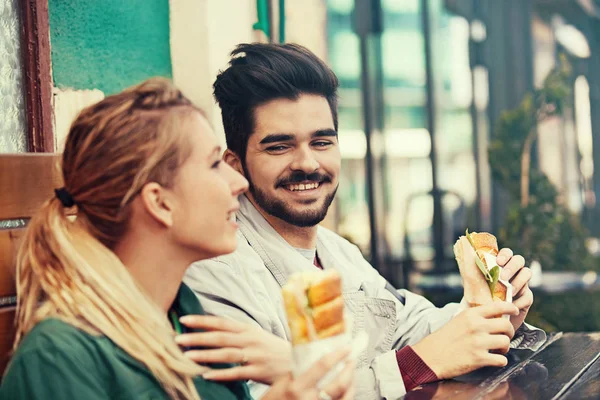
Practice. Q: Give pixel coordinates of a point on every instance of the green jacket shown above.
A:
(59, 361)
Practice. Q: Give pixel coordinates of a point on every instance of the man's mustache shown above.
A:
(300, 176)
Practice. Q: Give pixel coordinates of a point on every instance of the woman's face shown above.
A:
(205, 197)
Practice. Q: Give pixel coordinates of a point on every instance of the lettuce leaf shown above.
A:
(495, 274)
(486, 274)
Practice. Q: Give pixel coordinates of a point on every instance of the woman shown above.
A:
(142, 173)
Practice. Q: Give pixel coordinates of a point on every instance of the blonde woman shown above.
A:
(100, 297)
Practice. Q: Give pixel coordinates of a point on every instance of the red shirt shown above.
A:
(413, 369)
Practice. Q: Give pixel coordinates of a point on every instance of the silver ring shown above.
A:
(324, 396)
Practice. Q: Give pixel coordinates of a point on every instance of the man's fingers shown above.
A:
(238, 373)
(525, 301)
(501, 326)
(495, 360)
(212, 323)
(496, 308)
(521, 280)
(512, 267)
(322, 366)
(222, 355)
(210, 339)
(504, 256)
(498, 342)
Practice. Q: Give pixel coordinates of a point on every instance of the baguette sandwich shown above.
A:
(476, 257)
(314, 305)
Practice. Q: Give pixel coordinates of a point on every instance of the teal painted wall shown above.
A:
(108, 44)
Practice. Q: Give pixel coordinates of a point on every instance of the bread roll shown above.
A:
(314, 305)
(328, 314)
(486, 244)
(326, 288)
(477, 291)
(296, 316)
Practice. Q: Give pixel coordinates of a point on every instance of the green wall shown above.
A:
(108, 44)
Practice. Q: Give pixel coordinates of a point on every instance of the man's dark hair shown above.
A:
(259, 73)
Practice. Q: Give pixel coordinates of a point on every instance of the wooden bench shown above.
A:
(26, 181)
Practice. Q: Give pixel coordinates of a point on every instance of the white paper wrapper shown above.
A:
(305, 355)
(490, 260)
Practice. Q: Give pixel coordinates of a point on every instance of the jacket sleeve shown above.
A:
(52, 374)
(226, 291)
(417, 317)
(223, 290)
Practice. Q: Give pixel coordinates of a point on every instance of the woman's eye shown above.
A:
(216, 164)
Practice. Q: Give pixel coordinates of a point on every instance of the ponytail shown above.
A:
(65, 266)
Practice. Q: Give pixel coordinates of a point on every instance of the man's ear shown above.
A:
(157, 203)
(234, 161)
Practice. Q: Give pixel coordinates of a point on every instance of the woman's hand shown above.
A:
(262, 357)
(305, 386)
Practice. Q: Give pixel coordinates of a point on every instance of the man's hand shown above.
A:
(465, 343)
(263, 357)
(514, 271)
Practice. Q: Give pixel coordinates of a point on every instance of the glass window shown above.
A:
(352, 216)
(13, 137)
(453, 91)
(409, 213)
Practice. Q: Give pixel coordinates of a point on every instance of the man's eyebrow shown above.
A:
(325, 133)
(277, 137)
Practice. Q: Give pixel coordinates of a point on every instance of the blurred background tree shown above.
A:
(538, 225)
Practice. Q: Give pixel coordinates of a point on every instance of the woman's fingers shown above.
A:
(212, 323)
(342, 383)
(318, 370)
(210, 339)
(224, 355)
(237, 373)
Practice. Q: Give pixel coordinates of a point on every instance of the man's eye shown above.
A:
(276, 148)
(322, 144)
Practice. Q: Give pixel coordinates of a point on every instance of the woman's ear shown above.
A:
(157, 203)
(234, 161)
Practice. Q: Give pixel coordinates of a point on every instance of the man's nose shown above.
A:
(305, 160)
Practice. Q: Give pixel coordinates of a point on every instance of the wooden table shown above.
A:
(566, 367)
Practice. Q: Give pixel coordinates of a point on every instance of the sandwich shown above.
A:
(314, 305)
(476, 257)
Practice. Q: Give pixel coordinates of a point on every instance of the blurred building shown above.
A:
(439, 74)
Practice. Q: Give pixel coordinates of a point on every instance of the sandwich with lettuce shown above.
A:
(476, 257)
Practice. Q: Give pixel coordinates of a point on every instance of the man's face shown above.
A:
(293, 159)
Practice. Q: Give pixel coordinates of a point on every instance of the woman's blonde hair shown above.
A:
(66, 269)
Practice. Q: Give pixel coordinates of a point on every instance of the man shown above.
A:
(279, 109)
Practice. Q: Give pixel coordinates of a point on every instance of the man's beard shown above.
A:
(280, 209)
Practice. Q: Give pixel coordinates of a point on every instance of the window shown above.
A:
(13, 129)
(25, 81)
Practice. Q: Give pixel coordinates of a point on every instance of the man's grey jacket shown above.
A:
(246, 286)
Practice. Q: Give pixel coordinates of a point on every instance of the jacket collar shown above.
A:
(279, 256)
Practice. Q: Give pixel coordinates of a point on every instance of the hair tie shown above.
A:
(65, 197)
